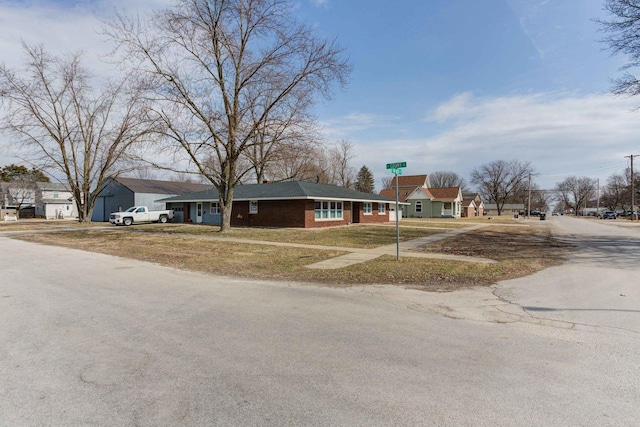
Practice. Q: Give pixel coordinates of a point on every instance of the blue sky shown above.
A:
(440, 84)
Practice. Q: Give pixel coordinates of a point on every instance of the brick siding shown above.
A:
(298, 213)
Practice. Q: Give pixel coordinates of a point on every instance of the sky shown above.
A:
(443, 85)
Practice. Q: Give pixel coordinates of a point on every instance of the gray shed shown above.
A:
(119, 194)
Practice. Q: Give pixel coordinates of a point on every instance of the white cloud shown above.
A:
(560, 134)
(345, 127)
(62, 28)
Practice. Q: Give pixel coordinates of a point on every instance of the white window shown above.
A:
(55, 195)
(328, 210)
(215, 208)
(366, 208)
(253, 207)
(381, 208)
(419, 206)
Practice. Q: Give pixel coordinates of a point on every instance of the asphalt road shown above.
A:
(89, 339)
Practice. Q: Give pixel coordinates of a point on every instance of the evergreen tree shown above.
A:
(365, 181)
(14, 172)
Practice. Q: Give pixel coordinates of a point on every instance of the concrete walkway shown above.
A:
(362, 255)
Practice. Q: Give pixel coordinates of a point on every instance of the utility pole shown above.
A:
(529, 201)
(633, 190)
(598, 199)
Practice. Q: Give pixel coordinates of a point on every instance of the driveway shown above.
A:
(89, 339)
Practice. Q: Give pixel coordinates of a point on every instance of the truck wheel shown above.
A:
(127, 221)
(163, 219)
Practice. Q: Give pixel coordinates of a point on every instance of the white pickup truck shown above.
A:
(137, 214)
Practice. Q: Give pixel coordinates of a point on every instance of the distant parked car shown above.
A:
(609, 215)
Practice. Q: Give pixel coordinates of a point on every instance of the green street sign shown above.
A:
(397, 165)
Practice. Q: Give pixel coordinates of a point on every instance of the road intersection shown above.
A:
(93, 339)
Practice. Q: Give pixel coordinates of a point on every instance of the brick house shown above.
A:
(284, 204)
(472, 205)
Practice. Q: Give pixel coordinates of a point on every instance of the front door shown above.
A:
(186, 213)
(198, 213)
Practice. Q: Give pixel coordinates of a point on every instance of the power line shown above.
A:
(600, 169)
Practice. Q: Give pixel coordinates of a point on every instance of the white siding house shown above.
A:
(54, 201)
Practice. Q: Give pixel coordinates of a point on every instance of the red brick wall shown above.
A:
(297, 213)
(374, 217)
(277, 213)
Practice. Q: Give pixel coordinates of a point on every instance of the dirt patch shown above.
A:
(520, 245)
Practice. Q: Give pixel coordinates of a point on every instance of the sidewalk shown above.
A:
(363, 255)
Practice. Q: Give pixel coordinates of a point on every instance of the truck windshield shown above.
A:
(131, 209)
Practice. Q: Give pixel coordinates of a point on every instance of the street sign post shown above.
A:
(396, 169)
(397, 165)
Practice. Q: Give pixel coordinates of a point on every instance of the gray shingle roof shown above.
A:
(51, 186)
(283, 191)
(153, 186)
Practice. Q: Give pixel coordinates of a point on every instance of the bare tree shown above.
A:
(340, 171)
(386, 182)
(299, 162)
(540, 199)
(19, 184)
(617, 191)
(623, 37)
(287, 130)
(218, 70)
(500, 180)
(443, 179)
(575, 191)
(66, 125)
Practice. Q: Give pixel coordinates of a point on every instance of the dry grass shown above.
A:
(519, 250)
(353, 236)
(43, 224)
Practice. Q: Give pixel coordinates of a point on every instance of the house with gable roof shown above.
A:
(472, 205)
(434, 203)
(422, 201)
(406, 184)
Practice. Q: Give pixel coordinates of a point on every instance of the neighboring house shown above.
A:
(468, 208)
(507, 209)
(406, 185)
(423, 201)
(283, 204)
(434, 203)
(472, 205)
(119, 194)
(54, 200)
(19, 195)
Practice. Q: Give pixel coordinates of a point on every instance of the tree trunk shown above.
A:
(226, 202)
